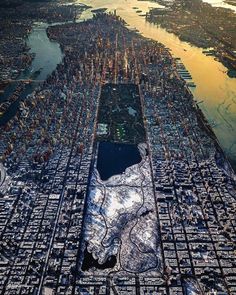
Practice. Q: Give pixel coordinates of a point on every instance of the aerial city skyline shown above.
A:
(117, 147)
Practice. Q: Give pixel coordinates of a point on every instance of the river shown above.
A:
(47, 55)
(215, 91)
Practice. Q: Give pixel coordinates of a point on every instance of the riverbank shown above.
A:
(178, 198)
(215, 92)
(16, 24)
(202, 25)
(31, 57)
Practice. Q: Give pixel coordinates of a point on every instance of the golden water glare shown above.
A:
(214, 87)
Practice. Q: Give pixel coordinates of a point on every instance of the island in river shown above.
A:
(202, 25)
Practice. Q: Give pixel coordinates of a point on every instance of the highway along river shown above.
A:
(215, 91)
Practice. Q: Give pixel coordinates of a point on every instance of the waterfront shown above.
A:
(47, 55)
(215, 90)
(168, 219)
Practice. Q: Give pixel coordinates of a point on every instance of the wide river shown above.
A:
(215, 90)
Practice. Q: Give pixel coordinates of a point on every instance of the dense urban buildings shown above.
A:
(112, 181)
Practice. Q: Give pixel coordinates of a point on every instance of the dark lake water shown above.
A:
(114, 158)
